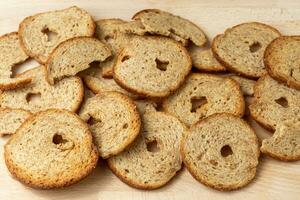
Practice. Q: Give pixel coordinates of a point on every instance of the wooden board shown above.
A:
(274, 180)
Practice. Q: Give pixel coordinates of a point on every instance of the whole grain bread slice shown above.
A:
(285, 142)
(282, 59)
(274, 103)
(154, 158)
(221, 152)
(41, 33)
(11, 120)
(11, 54)
(73, 56)
(40, 95)
(114, 122)
(241, 48)
(52, 149)
(155, 21)
(205, 94)
(152, 66)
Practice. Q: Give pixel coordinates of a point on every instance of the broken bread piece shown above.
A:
(73, 56)
(113, 120)
(40, 34)
(52, 149)
(11, 120)
(11, 54)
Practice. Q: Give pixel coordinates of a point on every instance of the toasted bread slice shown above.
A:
(241, 48)
(285, 142)
(11, 54)
(221, 152)
(205, 94)
(282, 60)
(40, 95)
(274, 103)
(52, 149)
(152, 66)
(154, 158)
(41, 33)
(73, 56)
(114, 121)
(160, 22)
(11, 120)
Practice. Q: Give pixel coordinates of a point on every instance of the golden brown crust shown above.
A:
(16, 172)
(270, 67)
(226, 64)
(217, 187)
(144, 93)
(22, 25)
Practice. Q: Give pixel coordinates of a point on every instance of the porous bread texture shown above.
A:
(73, 56)
(285, 142)
(11, 120)
(247, 85)
(213, 93)
(11, 54)
(221, 152)
(274, 103)
(94, 79)
(163, 23)
(145, 168)
(152, 66)
(145, 105)
(66, 94)
(52, 149)
(113, 120)
(40, 34)
(241, 48)
(282, 60)
(204, 60)
(107, 30)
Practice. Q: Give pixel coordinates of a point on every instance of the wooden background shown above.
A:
(274, 180)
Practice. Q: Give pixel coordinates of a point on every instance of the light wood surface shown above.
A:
(275, 180)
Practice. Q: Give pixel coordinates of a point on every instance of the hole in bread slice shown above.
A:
(51, 35)
(22, 67)
(254, 47)
(58, 139)
(282, 101)
(33, 97)
(152, 146)
(226, 151)
(93, 121)
(125, 58)
(197, 102)
(161, 65)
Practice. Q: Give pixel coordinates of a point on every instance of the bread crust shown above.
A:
(228, 65)
(198, 178)
(16, 172)
(22, 26)
(271, 69)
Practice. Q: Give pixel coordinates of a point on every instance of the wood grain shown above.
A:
(274, 180)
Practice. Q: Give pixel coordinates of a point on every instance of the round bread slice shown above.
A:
(203, 95)
(52, 149)
(73, 56)
(241, 48)
(221, 152)
(204, 60)
(160, 22)
(274, 103)
(154, 158)
(152, 66)
(107, 31)
(40, 95)
(114, 121)
(11, 54)
(95, 80)
(285, 142)
(41, 33)
(11, 120)
(282, 59)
